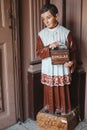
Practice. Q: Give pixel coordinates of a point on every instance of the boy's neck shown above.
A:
(55, 25)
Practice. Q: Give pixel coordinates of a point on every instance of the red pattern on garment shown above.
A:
(55, 80)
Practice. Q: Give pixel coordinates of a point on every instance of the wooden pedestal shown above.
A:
(77, 91)
(47, 121)
(35, 94)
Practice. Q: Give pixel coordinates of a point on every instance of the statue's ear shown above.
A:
(57, 16)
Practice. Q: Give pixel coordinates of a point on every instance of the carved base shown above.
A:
(47, 121)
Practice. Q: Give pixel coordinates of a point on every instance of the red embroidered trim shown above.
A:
(55, 80)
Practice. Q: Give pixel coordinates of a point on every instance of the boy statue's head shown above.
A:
(49, 15)
(49, 7)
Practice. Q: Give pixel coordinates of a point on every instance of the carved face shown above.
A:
(49, 20)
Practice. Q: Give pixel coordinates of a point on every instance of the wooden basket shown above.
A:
(59, 56)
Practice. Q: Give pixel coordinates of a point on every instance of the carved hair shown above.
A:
(49, 7)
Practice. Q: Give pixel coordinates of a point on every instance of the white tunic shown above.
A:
(54, 75)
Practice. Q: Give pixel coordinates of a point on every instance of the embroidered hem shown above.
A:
(55, 80)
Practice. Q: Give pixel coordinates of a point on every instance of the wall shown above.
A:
(84, 45)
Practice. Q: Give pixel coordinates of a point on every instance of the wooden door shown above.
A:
(7, 96)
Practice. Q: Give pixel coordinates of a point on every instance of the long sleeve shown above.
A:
(41, 50)
(72, 48)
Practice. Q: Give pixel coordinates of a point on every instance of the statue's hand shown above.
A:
(54, 44)
(70, 65)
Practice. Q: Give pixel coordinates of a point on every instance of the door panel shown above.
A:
(7, 96)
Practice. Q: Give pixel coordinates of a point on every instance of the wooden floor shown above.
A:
(32, 125)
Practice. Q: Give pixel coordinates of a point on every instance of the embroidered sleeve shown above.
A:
(41, 50)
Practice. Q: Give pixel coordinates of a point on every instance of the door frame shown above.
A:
(16, 58)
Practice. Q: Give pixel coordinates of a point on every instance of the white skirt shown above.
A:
(54, 75)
